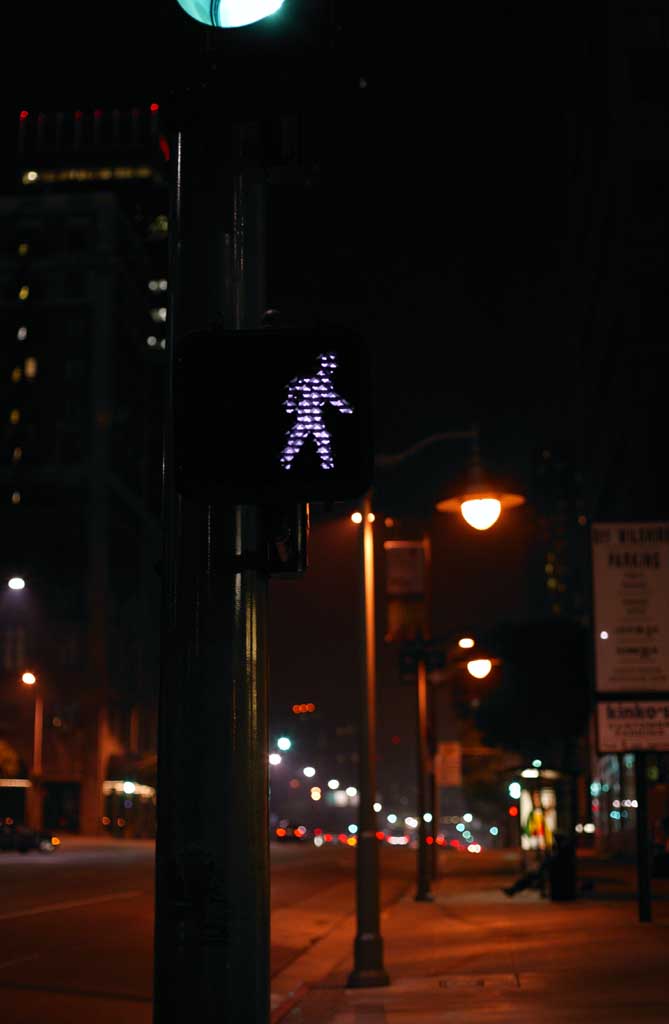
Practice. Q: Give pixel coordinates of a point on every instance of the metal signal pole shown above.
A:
(212, 847)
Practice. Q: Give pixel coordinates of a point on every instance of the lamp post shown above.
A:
(368, 970)
(34, 798)
(480, 505)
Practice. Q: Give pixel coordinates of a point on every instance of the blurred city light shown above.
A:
(16, 583)
(275, 758)
(427, 817)
(29, 678)
(465, 641)
(333, 783)
(356, 517)
(351, 791)
(514, 790)
(309, 771)
(468, 817)
(283, 743)
(377, 807)
(392, 818)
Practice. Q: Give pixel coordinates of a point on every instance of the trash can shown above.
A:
(562, 869)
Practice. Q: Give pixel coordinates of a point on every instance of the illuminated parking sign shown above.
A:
(275, 414)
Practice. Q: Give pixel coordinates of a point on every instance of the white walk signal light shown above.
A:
(272, 415)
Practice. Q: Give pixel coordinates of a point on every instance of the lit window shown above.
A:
(162, 284)
(22, 334)
(24, 249)
(152, 341)
(24, 292)
(30, 367)
(162, 343)
(16, 497)
(153, 286)
(14, 416)
(16, 374)
(17, 454)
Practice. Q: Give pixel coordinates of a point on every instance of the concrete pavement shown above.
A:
(476, 956)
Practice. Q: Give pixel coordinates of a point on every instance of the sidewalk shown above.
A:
(476, 956)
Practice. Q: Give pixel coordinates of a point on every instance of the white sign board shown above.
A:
(632, 725)
(630, 565)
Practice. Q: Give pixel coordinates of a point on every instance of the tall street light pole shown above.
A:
(368, 969)
(35, 811)
(480, 505)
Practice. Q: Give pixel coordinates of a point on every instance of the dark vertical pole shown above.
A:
(212, 847)
(423, 854)
(368, 969)
(642, 845)
(433, 797)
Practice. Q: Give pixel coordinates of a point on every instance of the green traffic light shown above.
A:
(230, 13)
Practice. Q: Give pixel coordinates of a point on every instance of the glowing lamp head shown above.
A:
(481, 513)
(479, 667)
(466, 642)
(16, 583)
(230, 13)
(29, 678)
(356, 517)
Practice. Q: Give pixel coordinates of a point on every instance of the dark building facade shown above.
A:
(83, 274)
(617, 305)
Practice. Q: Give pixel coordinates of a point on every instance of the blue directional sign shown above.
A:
(275, 414)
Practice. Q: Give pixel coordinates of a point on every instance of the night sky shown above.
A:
(438, 224)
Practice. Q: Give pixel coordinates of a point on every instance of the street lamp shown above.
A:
(480, 504)
(30, 679)
(229, 13)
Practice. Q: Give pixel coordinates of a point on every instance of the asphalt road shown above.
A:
(76, 926)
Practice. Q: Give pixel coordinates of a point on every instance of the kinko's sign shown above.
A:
(630, 564)
(632, 725)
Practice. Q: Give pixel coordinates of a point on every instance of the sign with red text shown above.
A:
(630, 565)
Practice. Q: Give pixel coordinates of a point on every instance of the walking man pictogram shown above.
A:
(306, 398)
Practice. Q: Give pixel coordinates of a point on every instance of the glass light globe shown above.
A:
(230, 13)
(481, 513)
(479, 667)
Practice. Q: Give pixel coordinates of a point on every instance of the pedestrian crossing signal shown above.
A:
(274, 414)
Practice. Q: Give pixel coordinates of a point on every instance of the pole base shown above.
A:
(368, 971)
(424, 897)
(369, 978)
